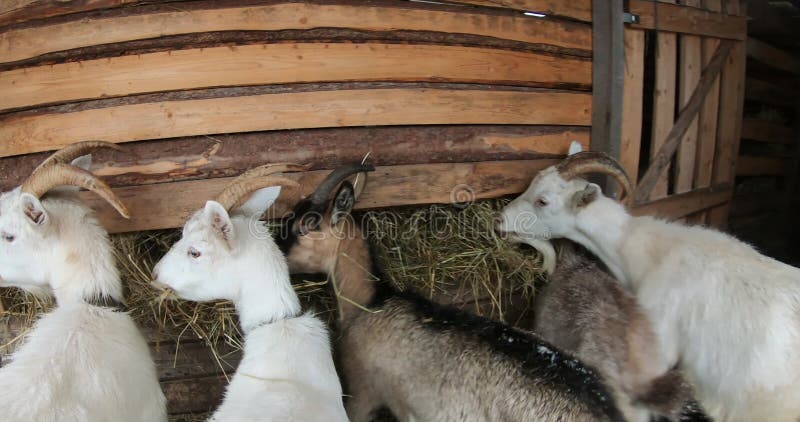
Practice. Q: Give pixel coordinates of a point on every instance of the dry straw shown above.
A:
(447, 253)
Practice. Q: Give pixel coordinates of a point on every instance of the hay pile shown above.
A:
(448, 253)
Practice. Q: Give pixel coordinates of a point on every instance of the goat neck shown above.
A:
(600, 228)
(266, 294)
(353, 272)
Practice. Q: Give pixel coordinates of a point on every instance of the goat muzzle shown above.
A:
(592, 162)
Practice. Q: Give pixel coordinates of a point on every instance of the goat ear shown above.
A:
(343, 202)
(575, 147)
(586, 196)
(217, 216)
(33, 209)
(261, 200)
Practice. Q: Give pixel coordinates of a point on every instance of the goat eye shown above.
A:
(8, 237)
(541, 202)
(194, 253)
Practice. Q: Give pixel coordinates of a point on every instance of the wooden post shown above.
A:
(608, 68)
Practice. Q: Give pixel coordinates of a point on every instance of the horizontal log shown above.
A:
(388, 186)
(15, 11)
(760, 166)
(27, 133)
(266, 64)
(669, 17)
(772, 56)
(575, 9)
(677, 206)
(28, 42)
(204, 157)
(766, 131)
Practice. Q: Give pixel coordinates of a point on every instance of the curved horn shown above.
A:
(70, 152)
(596, 162)
(234, 194)
(323, 191)
(60, 174)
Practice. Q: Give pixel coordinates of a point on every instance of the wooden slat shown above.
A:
(677, 206)
(608, 70)
(575, 9)
(707, 136)
(766, 131)
(760, 166)
(663, 103)
(772, 56)
(633, 88)
(730, 121)
(202, 157)
(691, 65)
(368, 107)
(14, 11)
(24, 43)
(388, 186)
(282, 64)
(687, 20)
(663, 156)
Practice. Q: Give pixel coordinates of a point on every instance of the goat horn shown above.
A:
(70, 152)
(61, 174)
(596, 162)
(233, 195)
(323, 191)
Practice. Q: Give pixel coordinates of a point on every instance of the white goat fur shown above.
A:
(729, 315)
(79, 362)
(287, 372)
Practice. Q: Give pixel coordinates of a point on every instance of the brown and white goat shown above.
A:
(422, 360)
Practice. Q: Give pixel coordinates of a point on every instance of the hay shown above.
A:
(447, 253)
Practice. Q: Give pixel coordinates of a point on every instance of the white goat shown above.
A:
(85, 360)
(729, 315)
(287, 372)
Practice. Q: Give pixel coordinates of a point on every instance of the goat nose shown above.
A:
(497, 221)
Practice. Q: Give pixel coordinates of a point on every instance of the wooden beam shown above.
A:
(22, 134)
(730, 122)
(686, 19)
(15, 11)
(663, 105)
(766, 131)
(772, 56)
(264, 64)
(575, 9)
(678, 206)
(691, 65)
(607, 75)
(226, 155)
(632, 102)
(686, 116)
(27, 42)
(388, 186)
(760, 166)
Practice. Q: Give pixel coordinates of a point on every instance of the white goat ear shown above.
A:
(84, 162)
(575, 147)
(261, 200)
(33, 209)
(217, 216)
(586, 196)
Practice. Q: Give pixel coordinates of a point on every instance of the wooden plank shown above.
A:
(632, 94)
(663, 156)
(264, 64)
(730, 121)
(687, 19)
(663, 103)
(760, 166)
(691, 65)
(388, 186)
(25, 43)
(575, 9)
(21, 134)
(772, 56)
(766, 131)
(227, 155)
(674, 207)
(766, 92)
(25, 10)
